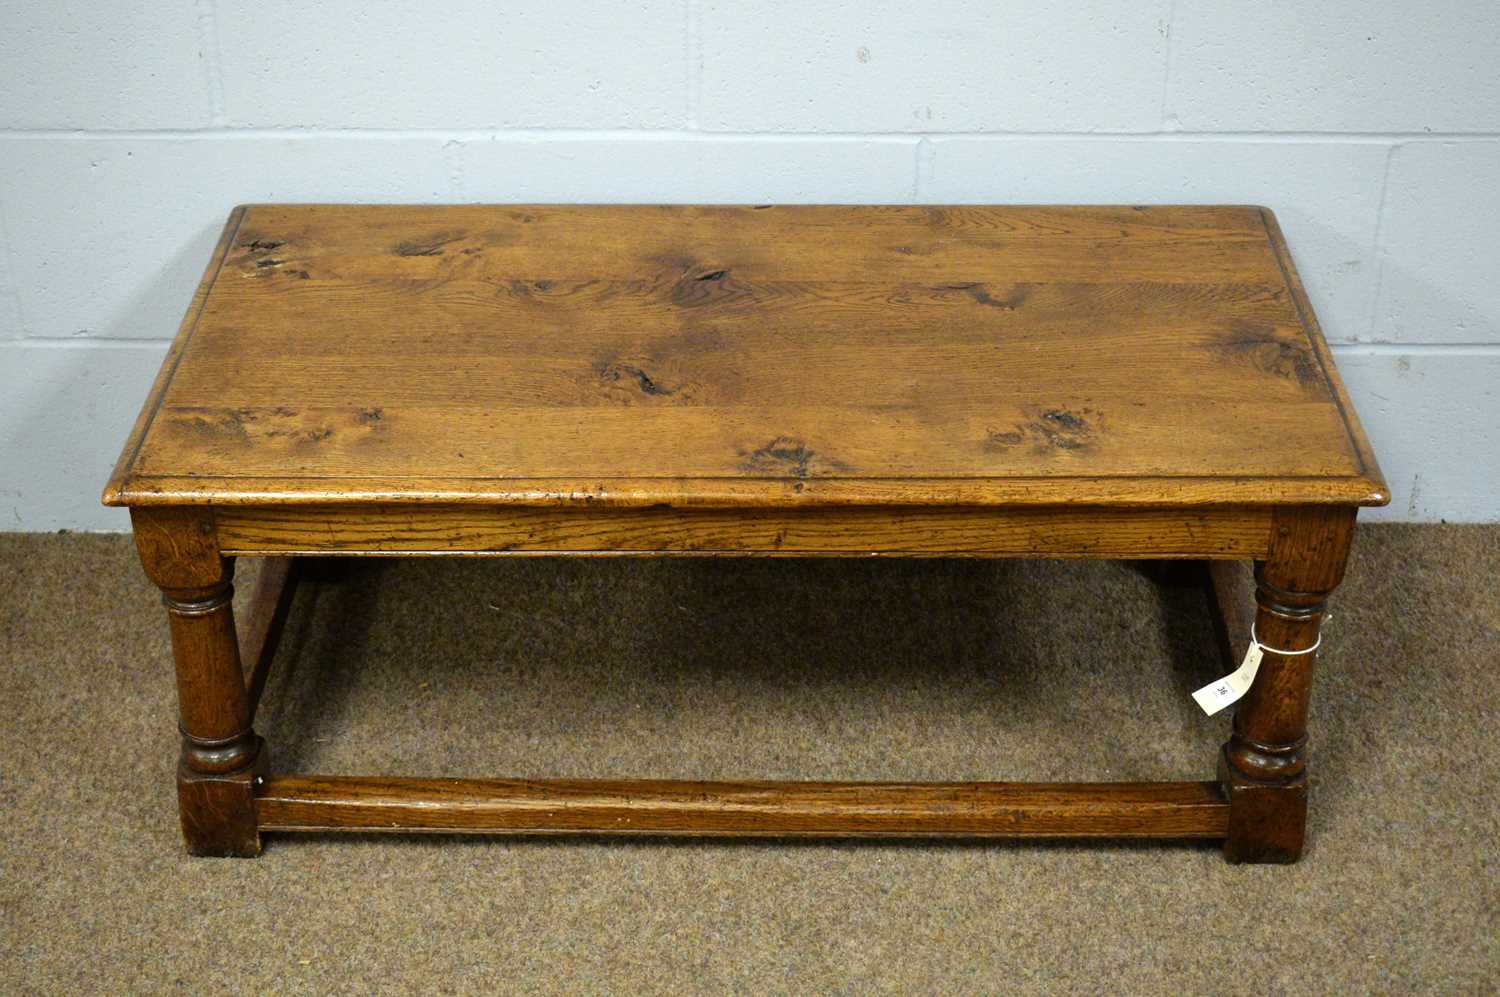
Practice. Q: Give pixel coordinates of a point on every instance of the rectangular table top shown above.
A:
(750, 355)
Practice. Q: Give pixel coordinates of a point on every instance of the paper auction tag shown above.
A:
(1227, 690)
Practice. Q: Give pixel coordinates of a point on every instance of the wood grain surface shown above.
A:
(749, 356)
(1036, 531)
(260, 632)
(807, 809)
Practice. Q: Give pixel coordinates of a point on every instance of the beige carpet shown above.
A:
(737, 668)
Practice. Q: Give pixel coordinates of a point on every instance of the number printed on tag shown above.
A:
(1227, 690)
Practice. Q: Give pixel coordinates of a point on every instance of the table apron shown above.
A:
(1209, 532)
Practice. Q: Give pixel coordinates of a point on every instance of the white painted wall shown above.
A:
(127, 131)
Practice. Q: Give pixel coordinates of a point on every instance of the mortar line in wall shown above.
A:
(916, 171)
(454, 153)
(208, 41)
(925, 155)
(678, 134)
(692, 45)
(8, 273)
(1378, 249)
(1166, 69)
(85, 342)
(1415, 349)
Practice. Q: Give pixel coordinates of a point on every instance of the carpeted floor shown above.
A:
(744, 668)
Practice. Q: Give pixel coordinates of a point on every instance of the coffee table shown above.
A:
(1040, 382)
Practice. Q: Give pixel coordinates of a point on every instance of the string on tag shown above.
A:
(1232, 687)
(1276, 650)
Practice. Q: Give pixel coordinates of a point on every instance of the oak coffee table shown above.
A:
(1039, 382)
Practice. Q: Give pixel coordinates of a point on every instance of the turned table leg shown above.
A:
(221, 754)
(1263, 767)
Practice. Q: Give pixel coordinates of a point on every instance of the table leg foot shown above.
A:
(1267, 821)
(218, 811)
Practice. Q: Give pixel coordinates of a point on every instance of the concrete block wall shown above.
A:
(128, 130)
